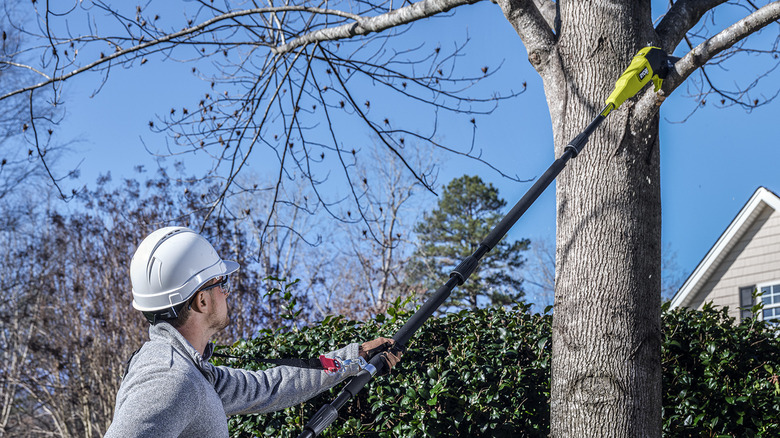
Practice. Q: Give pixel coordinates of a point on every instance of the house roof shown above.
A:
(762, 198)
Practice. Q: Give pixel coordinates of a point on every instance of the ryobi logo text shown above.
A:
(643, 73)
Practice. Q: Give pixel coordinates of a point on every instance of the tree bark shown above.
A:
(606, 375)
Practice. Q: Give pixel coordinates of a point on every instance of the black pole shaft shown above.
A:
(572, 150)
(328, 414)
(503, 227)
(469, 264)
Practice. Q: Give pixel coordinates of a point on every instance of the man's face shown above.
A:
(219, 317)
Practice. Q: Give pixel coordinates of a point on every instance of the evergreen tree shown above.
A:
(467, 211)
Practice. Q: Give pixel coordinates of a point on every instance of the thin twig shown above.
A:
(40, 153)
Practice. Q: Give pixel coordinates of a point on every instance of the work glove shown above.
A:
(391, 354)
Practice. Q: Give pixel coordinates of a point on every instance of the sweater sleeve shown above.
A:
(244, 391)
(141, 412)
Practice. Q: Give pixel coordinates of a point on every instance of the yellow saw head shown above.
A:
(650, 63)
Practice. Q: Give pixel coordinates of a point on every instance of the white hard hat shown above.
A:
(170, 265)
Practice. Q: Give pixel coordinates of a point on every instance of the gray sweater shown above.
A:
(171, 390)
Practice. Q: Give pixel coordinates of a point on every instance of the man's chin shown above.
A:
(218, 326)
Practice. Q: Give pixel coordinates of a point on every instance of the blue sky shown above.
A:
(711, 163)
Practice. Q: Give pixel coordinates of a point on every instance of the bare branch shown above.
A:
(16, 64)
(739, 97)
(42, 154)
(682, 16)
(286, 149)
(376, 131)
(186, 34)
(704, 52)
(398, 17)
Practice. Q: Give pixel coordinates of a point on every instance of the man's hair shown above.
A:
(183, 314)
(176, 316)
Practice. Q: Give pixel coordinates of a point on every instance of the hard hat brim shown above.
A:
(230, 267)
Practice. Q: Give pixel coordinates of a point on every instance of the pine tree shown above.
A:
(465, 214)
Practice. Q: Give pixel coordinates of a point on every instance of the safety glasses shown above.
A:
(223, 284)
(224, 287)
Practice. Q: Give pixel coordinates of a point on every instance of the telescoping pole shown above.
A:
(328, 413)
(649, 63)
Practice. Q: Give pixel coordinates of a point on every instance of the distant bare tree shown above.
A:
(65, 333)
(672, 274)
(19, 324)
(371, 259)
(350, 269)
(540, 272)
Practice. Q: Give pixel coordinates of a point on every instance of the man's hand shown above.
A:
(391, 354)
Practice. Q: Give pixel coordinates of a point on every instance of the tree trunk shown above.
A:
(606, 375)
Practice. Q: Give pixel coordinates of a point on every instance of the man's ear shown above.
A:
(200, 303)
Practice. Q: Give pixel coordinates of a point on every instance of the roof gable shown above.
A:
(761, 199)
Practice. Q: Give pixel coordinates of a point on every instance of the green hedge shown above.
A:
(720, 378)
(487, 373)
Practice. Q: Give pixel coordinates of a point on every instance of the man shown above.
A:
(170, 388)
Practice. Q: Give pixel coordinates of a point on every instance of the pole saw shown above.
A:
(650, 63)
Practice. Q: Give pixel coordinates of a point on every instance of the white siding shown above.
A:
(753, 260)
